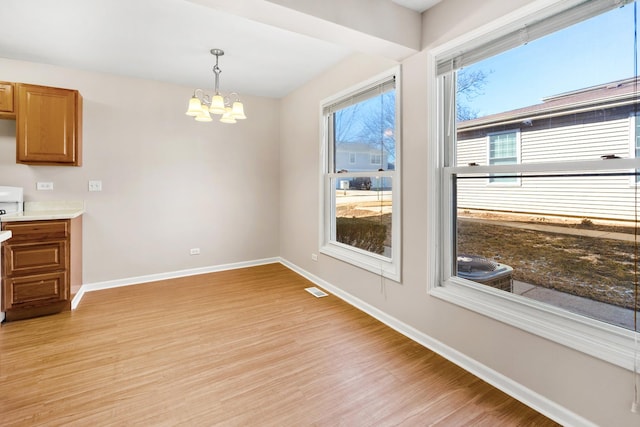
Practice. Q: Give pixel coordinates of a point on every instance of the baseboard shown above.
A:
(164, 276)
(514, 389)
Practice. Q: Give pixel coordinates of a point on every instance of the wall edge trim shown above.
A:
(130, 281)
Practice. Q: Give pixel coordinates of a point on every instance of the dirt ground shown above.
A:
(596, 268)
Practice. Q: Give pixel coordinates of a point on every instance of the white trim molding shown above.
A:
(97, 286)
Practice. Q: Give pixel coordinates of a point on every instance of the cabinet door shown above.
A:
(6, 101)
(49, 125)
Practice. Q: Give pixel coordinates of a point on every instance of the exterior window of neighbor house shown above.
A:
(360, 217)
(546, 105)
(503, 150)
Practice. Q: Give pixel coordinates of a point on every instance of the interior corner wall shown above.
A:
(597, 391)
(169, 183)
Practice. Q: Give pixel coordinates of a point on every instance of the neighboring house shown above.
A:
(361, 157)
(582, 125)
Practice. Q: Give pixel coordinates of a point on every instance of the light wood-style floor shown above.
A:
(247, 347)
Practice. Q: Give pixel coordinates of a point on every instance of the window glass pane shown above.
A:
(502, 146)
(364, 135)
(363, 210)
(551, 90)
(575, 250)
(566, 97)
(503, 151)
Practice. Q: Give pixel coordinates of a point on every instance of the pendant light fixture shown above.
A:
(201, 105)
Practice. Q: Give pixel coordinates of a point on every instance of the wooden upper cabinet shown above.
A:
(7, 101)
(49, 125)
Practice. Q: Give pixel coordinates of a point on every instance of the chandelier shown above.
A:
(201, 105)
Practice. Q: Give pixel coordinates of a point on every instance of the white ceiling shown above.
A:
(167, 40)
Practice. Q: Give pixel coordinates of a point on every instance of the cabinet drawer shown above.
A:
(37, 231)
(32, 258)
(34, 290)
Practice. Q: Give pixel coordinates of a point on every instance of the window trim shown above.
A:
(610, 343)
(384, 266)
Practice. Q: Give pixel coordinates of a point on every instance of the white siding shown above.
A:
(577, 142)
(583, 197)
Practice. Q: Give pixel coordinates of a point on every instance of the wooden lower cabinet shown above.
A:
(37, 267)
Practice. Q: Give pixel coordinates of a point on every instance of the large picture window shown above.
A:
(539, 104)
(360, 176)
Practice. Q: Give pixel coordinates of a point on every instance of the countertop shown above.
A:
(38, 211)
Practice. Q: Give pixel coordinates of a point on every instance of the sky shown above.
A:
(596, 51)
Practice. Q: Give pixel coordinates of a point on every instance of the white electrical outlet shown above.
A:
(314, 257)
(194, 251)
(95, 185)
(44, 186)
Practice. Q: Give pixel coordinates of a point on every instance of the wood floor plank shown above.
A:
(239, 348)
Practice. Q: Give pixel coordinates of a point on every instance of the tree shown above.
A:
(469, 85)
(372, 122)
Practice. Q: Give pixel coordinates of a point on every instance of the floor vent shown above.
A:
(316, 292)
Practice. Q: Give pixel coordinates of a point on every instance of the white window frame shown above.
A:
(352, 158)
(634, 121)
(384, 266)
(373, 159)
(498, 183)
(601, 340)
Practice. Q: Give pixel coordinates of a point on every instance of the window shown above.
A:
(361, 220)
(503, 150)
(635, 142)
(530, 254)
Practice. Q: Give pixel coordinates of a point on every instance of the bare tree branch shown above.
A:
(469, 85)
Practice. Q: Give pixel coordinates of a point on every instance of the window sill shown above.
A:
(601, 340)
(377, 264)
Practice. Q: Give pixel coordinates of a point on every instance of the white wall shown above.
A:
(169, 183)
(595, 390)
